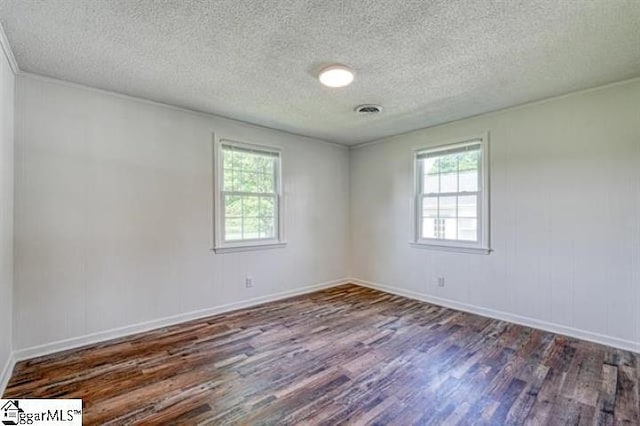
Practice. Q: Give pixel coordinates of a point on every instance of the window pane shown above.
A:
(227, 180)
(237, 179)
(236, 160)
(232, 206)
(227, 159)
(251, 228)
(469, 180)
(430, 166)
(447, 207)
(244, 182)
(250, 206)
(252, 182)
(267, 227)
(469, 160)
(246, 160)
(227, 170)
(448, 164)
(429, 206)
(267, 206)
(232, 229)
(429, 228)
(268, 165)
(266, 182)
(468, 229)
(449, 182)
(431, 184)
(467, 206)
(262, 164)
(450, 230)
(253, 162)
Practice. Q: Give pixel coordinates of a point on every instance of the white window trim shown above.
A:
(482, 246)
(221, 246)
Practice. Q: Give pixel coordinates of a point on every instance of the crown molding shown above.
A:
(8, 53)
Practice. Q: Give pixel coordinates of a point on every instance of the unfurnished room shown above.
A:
(337, 212)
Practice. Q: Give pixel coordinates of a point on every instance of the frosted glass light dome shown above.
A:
(336, 76)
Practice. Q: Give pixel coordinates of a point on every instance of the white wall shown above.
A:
(114, 214)
(7, 85)
(114, 198)
(565, 216)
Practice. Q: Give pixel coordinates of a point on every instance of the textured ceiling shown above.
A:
(426, 62)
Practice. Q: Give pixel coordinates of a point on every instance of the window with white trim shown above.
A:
(248, 199)
(451, 200)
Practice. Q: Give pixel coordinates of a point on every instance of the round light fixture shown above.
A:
(336, 76)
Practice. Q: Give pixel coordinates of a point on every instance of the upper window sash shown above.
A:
(470, 146)
(267, 152)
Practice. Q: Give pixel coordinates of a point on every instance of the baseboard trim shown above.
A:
(102, 336)
(89, 339)
(505, 316)
(5, 375)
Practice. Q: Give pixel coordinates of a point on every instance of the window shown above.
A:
(248, 199)
(451, 200)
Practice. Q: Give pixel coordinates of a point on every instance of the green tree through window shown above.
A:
(249, 193)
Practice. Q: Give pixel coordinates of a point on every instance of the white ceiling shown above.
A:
(426, 62)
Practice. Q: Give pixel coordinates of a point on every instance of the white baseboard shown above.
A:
(615, 342)
(5, 375)
(76, 342)
(48, 348)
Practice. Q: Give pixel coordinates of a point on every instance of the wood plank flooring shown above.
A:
(346, 355)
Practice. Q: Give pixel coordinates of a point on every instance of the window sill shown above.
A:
(249, 247)
(459, 249)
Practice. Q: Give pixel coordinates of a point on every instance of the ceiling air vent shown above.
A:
(368, 109)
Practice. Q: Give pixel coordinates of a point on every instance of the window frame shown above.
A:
(482, 245)
(219, 243)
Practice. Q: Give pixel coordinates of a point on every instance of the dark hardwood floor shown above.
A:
(344, 355)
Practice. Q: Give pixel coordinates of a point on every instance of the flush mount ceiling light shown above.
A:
(336, 76)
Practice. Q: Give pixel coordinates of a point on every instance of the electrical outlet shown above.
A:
(440, 281)
(248, 282)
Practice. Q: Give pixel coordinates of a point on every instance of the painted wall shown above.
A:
(114, 199)
(7, 86)
(114, 214)
(565, 215)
